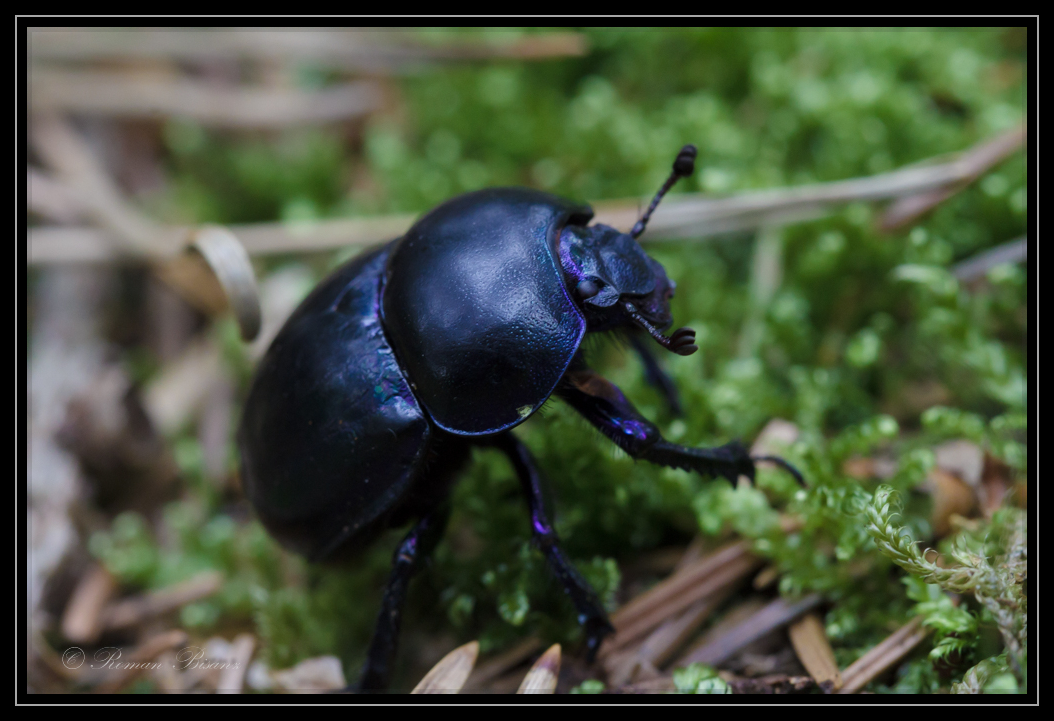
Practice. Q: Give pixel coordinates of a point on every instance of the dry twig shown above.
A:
(232, 677)
(82, 619)
(709, 575)
(869, 666)
(51, 199)
(83, 176)
(137, 609)
(809, 639)
(699, 217)
(972, 165)
(977, 267)
(362, 50)
(685, 215)
(71, 159)
(659, 647)
(126, 95)
(774, 615)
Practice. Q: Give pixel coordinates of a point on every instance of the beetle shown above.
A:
(368, 401)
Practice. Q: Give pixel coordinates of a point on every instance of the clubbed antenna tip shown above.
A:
(683, 166)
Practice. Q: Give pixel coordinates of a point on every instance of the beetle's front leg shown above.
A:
(591, 613)
(654, 374)
(604, 405)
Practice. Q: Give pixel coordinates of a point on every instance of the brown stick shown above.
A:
(230, 276)
(975, 268)
(630, 619)
(702, 216)
(973, 164)
(810, 643)
(82, 622)
(677, 583)
(126, 95)
(363, 50)
(69, 156)
(232, 677)
(868, 667)
(133, 611)
(721, 579)
(51, 199)
(663, 642)
(50, 244)
(776, 614)
(695, 216)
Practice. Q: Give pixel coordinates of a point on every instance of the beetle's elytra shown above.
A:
(365, 406)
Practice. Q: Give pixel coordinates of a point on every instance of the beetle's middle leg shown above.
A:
(414, 548)
(591, 614)
(603, 405)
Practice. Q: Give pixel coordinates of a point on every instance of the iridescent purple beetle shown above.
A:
(370, 398)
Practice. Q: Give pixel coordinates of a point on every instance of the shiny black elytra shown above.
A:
(368, 401)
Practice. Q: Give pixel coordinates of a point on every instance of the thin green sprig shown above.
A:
(998, 586)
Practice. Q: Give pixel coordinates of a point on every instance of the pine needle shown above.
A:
(810, 642)
(885, 654)
(450, 674)
(544, 673)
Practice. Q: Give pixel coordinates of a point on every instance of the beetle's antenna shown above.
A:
(683, 166)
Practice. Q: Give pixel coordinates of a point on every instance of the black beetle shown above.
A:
(369, 399)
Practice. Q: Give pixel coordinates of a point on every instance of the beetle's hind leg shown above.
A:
(591, 614)
(414, 548)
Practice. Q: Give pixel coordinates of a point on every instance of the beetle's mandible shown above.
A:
(367, 403)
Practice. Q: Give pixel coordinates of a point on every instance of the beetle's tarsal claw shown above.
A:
(596, 629)
(682, 342)
(592, 646)
(785, 466)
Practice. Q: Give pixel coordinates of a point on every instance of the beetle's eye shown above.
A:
(587, 288)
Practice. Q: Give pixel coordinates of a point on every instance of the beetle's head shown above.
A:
(614, 281)
(616, 284)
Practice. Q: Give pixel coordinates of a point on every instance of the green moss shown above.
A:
(699, 678)
(991, 567)
(589, 686)
(226, 180)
